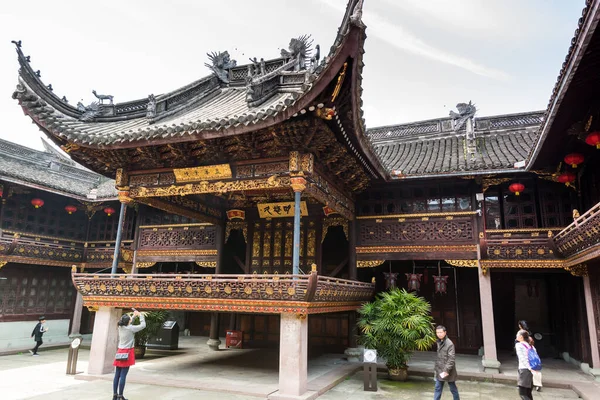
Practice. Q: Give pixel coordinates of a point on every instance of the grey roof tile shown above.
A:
(51, 171)
(500, 142)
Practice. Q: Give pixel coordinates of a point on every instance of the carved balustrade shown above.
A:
(519, 244)
(415, 229)
(405, 236)
(252, 293)
(48, 250)
(179, 242)
(581, 235)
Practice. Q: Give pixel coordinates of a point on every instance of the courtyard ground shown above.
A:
(194, 372)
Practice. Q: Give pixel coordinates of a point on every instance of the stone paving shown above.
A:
(422, 388)
(229, 375)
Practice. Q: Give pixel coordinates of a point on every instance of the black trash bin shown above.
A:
(167, 338)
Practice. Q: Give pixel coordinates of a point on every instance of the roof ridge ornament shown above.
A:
(151, 107)
(221, 64)
(299, 50)
(103, 97)
(356, 16)
(465, 112)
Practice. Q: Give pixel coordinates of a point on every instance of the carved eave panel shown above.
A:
(417, 252)
(243, 180)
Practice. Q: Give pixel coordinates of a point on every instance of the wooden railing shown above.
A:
(418, 229)
(582, 234)
(516, 244)
(296, 288)
(59, 250)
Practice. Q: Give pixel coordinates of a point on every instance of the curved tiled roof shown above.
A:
(50, 172)
(433, 148)
(208, 105)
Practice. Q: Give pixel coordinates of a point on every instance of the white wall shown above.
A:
(17, 335)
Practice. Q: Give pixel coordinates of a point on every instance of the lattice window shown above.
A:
(519, 211)
(152, 216)
(104, 228)
(557, 203)
(50, 220)
(416, 199)
(31, 291)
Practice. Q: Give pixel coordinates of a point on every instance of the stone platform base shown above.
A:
(309, 395)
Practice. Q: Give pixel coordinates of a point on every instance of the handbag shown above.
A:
(122, 356)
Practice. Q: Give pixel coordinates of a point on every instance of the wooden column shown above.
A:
(591, 308)
(214, 342)
(115, 262)
(76, 321)
(298, 185)
(352, 271)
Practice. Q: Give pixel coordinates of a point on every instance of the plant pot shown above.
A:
(398, 374)
(140, 352)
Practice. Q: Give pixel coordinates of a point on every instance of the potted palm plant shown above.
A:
(154, 321)
(396, 324)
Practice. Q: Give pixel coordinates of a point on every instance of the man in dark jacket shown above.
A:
(445, 370)
(37, 334)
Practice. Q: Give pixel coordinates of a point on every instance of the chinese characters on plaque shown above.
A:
(284, 209)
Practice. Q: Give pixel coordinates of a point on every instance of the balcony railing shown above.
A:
(309, 293)
(582, 234)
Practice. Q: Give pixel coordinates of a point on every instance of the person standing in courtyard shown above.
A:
(125, 356)
(445, 365)
(38, 332)
(525, 375)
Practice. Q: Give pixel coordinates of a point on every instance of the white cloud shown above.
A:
(398, 37)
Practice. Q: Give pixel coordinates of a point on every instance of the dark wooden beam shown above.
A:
(339, 268)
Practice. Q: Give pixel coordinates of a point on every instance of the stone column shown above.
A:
(104, 341)
(593, 329)
(76, 325)
(490, 357)
(293, 357)
(298, 185)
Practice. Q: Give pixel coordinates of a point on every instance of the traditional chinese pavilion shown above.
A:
(256, 199)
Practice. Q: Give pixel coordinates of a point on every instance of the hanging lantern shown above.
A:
(567, 178)
(414, 282)
(516, 188)
(109, 211)
(70, 209)
(1, 190)
(593, 139)
(390, 280)
(441, 283)
(574, 159)
(37, 203)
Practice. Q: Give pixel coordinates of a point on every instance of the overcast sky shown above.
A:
(422, 56)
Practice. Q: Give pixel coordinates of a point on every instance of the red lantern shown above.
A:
(593, 139)
(37, 203)
(1, 190)
(574, 159)
(567, 178)
(516, 188)
(70, 209)
(109, 211)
